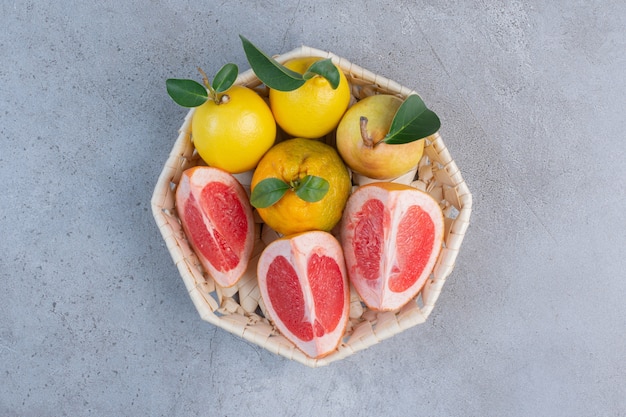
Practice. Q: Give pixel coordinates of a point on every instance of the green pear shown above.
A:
(360, 137)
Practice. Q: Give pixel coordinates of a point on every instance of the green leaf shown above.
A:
(412, 121)
(268, 192)
(186, 93)
(311, 188)
(271, 72)
(326, 69)
(225, 78)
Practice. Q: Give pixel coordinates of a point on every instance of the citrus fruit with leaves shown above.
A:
(308, 95)
(391, 235)
(300, 185)
(233, 134)
(232, 126)
(304, 285)
(216, 216)
(312, 110)
(382, 136)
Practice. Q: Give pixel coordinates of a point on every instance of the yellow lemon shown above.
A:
(235, 133)
(291, 161)
(312, 110)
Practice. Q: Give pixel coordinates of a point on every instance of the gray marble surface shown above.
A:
(95, 320)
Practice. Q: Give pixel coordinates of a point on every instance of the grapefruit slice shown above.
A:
(391, 235)
(305, 289)
(216, 216)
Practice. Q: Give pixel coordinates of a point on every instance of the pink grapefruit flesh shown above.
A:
(216, 216)
(305, 290)
(391, 236)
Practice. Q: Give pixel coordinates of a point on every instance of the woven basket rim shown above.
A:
(367, 332)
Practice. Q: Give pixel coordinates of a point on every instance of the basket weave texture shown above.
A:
(240, 310)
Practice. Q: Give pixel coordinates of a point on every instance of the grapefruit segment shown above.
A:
(216, 216)
(391, 235)
(305, 290)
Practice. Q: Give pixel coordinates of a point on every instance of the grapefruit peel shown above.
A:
(305, 290)
(217, 218)
(391, 236)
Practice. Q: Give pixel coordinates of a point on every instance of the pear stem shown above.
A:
(368, 142)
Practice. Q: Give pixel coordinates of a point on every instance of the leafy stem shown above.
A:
(269, 191)
(212, 94)
(412, 121)
(279, 77)
(189, 93)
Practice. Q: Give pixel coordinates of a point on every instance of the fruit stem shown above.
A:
(212, 94)
(205, 79)
(368, 142)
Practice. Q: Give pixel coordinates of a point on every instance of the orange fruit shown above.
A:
(291, 161)
(391, 236)
(216, 216)
(312, 110)
(234, 134)
(305, 290)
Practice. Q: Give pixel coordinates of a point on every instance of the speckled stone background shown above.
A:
(95, 320)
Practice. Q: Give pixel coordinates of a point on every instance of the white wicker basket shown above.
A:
(240, 309)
